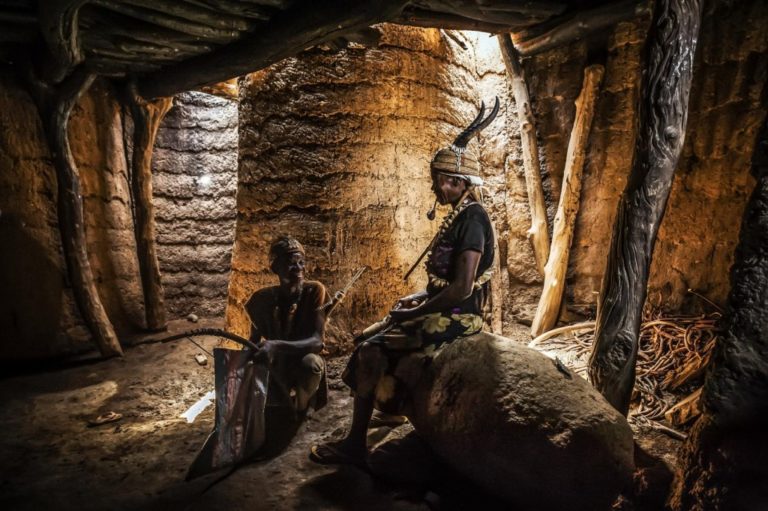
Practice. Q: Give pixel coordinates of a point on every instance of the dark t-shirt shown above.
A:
(272, 320)
(471, 230)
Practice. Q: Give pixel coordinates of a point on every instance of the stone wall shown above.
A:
(38, 315)
(194, 183)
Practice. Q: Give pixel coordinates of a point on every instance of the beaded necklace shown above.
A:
(439, 282)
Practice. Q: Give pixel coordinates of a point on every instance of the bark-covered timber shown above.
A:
(59, 26)
(55, 104)
(288, 33)
(723, 461)
(570, 198)
(539, 231)
(146, 121)
(578, 26)
(663, 113)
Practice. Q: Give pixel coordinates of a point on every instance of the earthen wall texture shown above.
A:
(335, 150)
(696, 241)
(38, 315)
(194, 178)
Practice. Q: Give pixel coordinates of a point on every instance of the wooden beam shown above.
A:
(59, 26)
(539, 231)
(580, 25)
(170, 22)
(55, 104)
(663, 114)
(568, 208)
(146, 121)
(112, 26)
(256, 12)
(198, 14)
(287, 34)
(430, 19)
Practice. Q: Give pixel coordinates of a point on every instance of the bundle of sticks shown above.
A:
(674, 350)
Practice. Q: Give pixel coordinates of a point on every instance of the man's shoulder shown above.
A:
(314, 287)
(475, 212)
(263, 295)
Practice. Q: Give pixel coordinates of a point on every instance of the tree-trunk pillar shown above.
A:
(570, 197)
(539, 231)
(55, 105)
(146, 121)
(663, 113)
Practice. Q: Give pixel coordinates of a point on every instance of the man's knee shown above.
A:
(313, 363)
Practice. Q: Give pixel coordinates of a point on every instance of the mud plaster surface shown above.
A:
(52, 460)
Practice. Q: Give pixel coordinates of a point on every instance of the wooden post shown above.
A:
(538, 233)
(55, 105)
(146, 121)
(662, 120)
(565, 219)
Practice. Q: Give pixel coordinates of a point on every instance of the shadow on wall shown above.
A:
(30, 294)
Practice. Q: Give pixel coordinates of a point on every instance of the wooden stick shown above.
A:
(146, 121)
(287, 33)
(430, 19)
(570, 197)
(539, 231)
(192, 28)
(580, 25)
(686, 410)
(562, 330)
(663, 114)
(55, 105)
(258, 12)
(191, 12)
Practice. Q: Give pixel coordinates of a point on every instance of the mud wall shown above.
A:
(698, 234)
(38, 316)
(334, 150)
(194, 184)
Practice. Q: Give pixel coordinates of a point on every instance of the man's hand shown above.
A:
(400, 315)
(411, 301)
(266, 351)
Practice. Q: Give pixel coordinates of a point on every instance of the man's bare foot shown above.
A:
(338, 453)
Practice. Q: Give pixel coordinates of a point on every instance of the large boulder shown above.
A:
(521, 427)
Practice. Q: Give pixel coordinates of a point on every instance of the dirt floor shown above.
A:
(52, 459)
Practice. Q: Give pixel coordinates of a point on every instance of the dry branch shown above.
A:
(662, 121)
(570, 198)
(539, 231)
